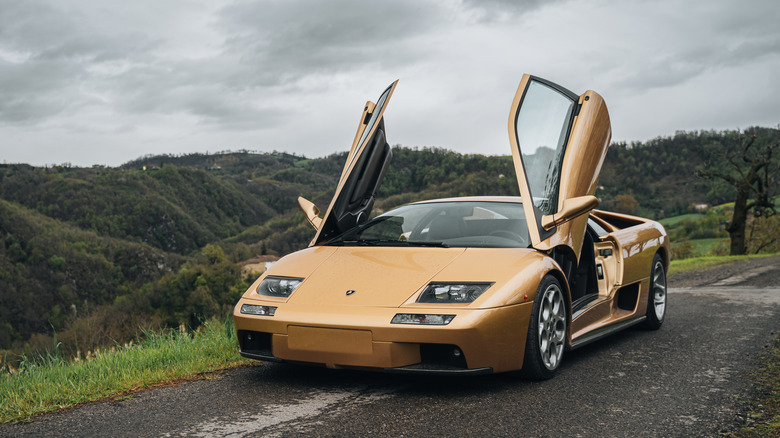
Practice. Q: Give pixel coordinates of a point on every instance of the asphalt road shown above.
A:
(687, 379)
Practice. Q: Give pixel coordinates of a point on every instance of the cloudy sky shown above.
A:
(104, 82)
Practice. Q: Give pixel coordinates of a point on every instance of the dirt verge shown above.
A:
(758, 272)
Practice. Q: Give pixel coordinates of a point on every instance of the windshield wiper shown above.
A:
(418, 243)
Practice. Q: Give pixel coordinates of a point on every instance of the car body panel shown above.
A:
(633, 249)
(357, 268)
(512, 270)
(340, 315)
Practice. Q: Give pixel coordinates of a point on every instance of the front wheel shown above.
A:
(546, 332)
(656, 300)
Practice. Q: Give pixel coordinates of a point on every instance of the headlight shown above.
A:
(417, 318)
(278, 286)
(252, 309)
(452, 292)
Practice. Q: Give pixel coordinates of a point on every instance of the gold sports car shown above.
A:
(465, 285)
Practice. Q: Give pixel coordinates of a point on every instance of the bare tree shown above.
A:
(751, 170)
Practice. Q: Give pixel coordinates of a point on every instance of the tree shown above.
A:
(751, 170)
(626, 204)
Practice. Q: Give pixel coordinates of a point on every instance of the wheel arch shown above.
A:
(557, 272)
(664, 257)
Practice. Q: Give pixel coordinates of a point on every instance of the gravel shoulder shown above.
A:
(757, 272)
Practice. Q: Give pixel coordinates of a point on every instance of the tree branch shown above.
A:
(709, 174)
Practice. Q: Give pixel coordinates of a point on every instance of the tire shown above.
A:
(546, 338)
(656, 298)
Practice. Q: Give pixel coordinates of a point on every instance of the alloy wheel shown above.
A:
(552, 326)
(659, 290)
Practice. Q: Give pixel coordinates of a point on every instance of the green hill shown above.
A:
(52, 272)
(174, 209)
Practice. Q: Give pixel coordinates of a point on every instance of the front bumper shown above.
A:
(477, 341)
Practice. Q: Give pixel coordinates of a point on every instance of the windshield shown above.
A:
(446, 224)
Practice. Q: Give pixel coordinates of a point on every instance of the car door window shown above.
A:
(378, 109)
(542, 125)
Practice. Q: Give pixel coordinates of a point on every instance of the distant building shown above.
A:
(701, 207)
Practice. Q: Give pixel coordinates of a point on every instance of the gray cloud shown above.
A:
(497, 10)
(188, 74)
(50, 51)
(73, 60)
(707, 37)
(281, 41)
(671, 69)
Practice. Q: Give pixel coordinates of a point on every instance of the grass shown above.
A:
(763, 418)
(692, 264)
(674, 220)
(50, 382)
(703, 247)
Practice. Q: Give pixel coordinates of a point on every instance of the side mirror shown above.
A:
(311, 211)
(572, 208)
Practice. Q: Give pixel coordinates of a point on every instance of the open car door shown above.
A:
(364, 170)
(559, 141)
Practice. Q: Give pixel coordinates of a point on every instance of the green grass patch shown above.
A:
(674, 220)
(50, 383)
(692, 264)
(702, 247)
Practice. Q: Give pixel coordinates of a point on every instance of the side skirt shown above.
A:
(604, 332)
(580, 305)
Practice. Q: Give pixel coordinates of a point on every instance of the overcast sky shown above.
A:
(104, 82)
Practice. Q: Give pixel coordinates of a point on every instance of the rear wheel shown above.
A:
(546, 332)
(656, 300)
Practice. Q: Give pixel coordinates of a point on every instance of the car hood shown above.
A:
(379, 276)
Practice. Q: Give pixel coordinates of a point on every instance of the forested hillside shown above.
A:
(176, 209)
(52, 272)
(661, 174)
(95, 253)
